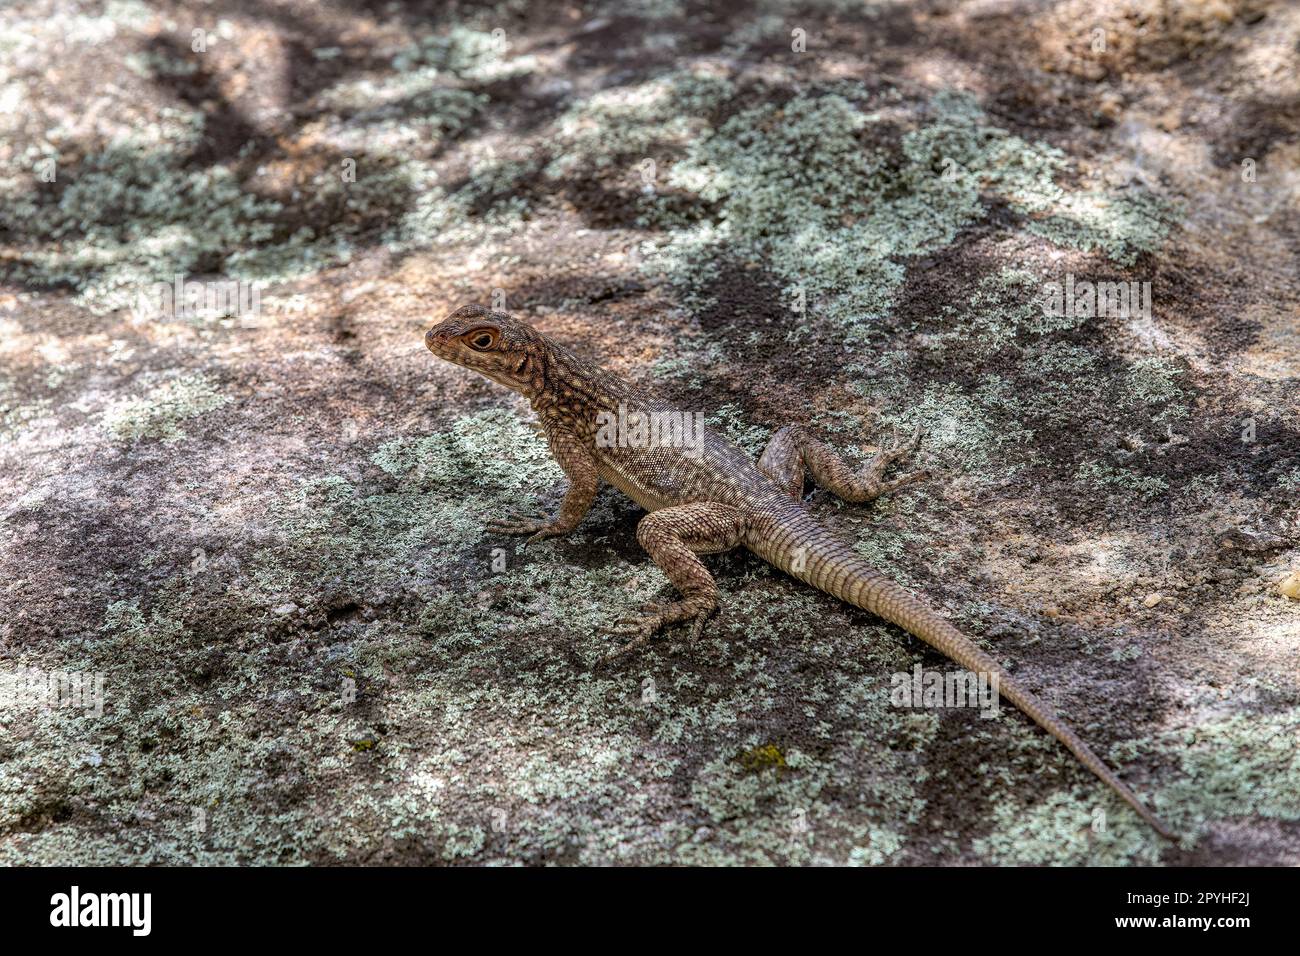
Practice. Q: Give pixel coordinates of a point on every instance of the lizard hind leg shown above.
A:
(791, 450)
(674, 538)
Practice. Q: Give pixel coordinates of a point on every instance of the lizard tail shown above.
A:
(839, 571)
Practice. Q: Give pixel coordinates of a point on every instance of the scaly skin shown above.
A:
(707, 497)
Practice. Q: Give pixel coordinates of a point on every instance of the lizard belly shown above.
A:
(657, 479)
(646, 496)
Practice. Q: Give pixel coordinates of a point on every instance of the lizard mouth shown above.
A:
(435, 343)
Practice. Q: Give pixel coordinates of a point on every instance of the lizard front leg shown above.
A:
(673, 537)
(791, 451)
(575, 461)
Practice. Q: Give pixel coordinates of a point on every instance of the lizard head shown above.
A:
(493, 344)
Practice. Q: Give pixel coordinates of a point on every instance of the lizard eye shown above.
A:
(482, 340)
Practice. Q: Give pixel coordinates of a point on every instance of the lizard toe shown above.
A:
(908, 479)
(640, 625)
(897, 450)
(516, 524)
(541, 535)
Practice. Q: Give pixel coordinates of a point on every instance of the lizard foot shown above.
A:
(538, 527)
(886, 456)
(655, 618)
(895, 450)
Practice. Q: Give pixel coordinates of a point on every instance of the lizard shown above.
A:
(713, 497)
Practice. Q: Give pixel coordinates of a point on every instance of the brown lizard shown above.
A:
(707, 496)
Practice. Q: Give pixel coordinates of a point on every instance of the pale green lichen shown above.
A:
(1246, 764)
(730, 421)
(633, 124)
(124, 617)
(798, 190)
(437, 216)
(1242, 765)
(495, 448)
(1099, 476)
(972, 428)
(137, 211)
(71, 27)
(161, 413)
(789, 180)
(130, 216)
(1290, 481)
(1066, 829)
(381, 117)
(1005, 308)
(17, 416)
(461, 51)
(1153, 382)
(1122, 226)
